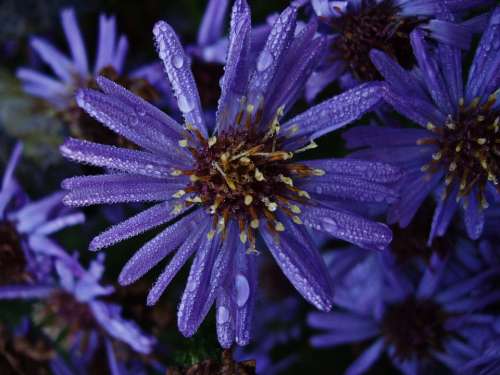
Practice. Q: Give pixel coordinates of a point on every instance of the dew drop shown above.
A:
(222, 315)
(178, 61)
(185, 105)
(265, 60)
(242, 290)
(134, 120)
(141, 111)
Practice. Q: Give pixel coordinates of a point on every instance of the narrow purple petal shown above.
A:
(120, 53)
(245, 288)
(25, 291)
(366, 359)
(105, 42)
(210, 30)
(336, 112)
(158, 248)
(54, 58)
(178, 69)
(340, 321)
(442, 216)
(225, 317)
(341, 338)
(320, 79)
(75, 40)
(146, 220)
(473, 216)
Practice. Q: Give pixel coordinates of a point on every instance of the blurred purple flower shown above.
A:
(420, 325)
(455, 153)
(219, 191)
(26, 251)
(358, 26)
(74, 72)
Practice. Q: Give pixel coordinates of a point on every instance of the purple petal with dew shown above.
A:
(340, 321)
(336, 112)
(75, 40)
(105, 42)
(178, 69)
(197, 292)
(178, 260)
(459, 5)
(212, 23)
(473, 216)
(443, 214)
(225, 317)
(59, 63)
(326, 8)
(418, 110)
(235, 78)
(109, 317)
(121, 159)
(486, 64)
(398, 79)
(450, 59)
(158, 120)
(130, 122)
(25, 291)
(341, 338)
(99, 181)
(320, 79)
(349, 227)
(367, 358)
(300, 60)
(147, 191)
(158, 248)
(271, 56)
(301, 270)
(430, 72)
(245, 283)
(142, 222)
(366, 170)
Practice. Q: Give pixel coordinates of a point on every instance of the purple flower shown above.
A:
(26, 251)
(355, 27)
(218, 191)
(421, 326)
(455, 153)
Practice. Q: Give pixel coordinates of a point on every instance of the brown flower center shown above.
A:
(375, 25)
(245, 175)
(469, 149)
(12, 260)
(414, 327)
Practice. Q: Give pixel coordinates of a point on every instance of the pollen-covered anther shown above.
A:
(212, 141)
(179, 194)
(211, 234)
(318, 172)
(279, 227)
(243, 237)
(297, 220)
(248, 200)
(258, 175)
(176, 172)
(286, 180)
(183, 143)
(254, 223)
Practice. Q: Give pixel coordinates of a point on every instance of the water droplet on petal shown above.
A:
(141, 111)
(178, 61)
(185, 105)
(265, 60)
(134, 120)
(222, 315)
(242, 290)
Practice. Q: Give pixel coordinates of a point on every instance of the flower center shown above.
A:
(374, 25)
(12, 260)
(414, 327)
(469, 149)
(245, 175)
(74, 314)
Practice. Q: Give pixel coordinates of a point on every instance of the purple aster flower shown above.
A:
(421, 326)
(455, 153)
(73, 72)
(71, 301)
(218, 191)
(355, 27)
(25, 247)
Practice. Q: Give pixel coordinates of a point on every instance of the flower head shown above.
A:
(357, 27)
(455, 153)
(422, 324)
(219, 191)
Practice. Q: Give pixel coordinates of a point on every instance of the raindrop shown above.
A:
(178, 61)
(242, 290)
(265, 60)
(141, 111)
(222, 315)
(134, 120)
(185, 105)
